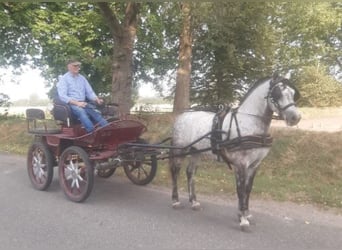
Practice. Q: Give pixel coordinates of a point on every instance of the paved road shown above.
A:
(120, 215)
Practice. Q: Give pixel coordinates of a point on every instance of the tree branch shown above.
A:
(132, 10)
(115, 28)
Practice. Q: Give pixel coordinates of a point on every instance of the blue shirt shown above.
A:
(74, 87)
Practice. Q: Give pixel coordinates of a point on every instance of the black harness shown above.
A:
(218, 145)
(216, 128)
(238, 143)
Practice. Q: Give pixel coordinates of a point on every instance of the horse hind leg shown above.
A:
(190, 174)
(175, 166)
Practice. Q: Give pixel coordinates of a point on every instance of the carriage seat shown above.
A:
(37, 123)
(61, 112)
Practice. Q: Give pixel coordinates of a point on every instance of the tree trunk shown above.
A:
(122, 73)
(123, 35)
(182, 93)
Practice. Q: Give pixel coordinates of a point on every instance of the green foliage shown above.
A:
(157, 43)
(318, 89)
(311, 33)
(73, 30)
(4, 100)
(15, 37)
(234, 43)
(238, 42)
(4, 103)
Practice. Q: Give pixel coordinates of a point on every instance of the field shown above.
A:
(303, 166)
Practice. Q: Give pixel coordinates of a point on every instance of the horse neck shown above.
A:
(255, 110)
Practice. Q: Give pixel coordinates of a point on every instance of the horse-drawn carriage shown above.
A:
(79, 155)
(239, 136)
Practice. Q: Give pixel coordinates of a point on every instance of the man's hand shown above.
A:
(99, 101)
(78, 104)
(82, 104)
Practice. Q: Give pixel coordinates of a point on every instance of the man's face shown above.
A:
(74, 68)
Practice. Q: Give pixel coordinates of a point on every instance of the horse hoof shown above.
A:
(250, 219)
(196, 205)
(176, 204)
(244, 223)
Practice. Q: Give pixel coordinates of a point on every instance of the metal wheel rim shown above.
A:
(75, 174)
(39, 166)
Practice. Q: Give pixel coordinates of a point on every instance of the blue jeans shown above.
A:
(88, 115)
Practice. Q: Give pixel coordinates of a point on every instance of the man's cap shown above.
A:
(73, 61)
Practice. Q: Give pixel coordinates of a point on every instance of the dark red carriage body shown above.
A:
(100, 144)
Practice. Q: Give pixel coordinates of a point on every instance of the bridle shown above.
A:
(274, 94)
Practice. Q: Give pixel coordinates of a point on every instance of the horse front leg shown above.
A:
(251, 171)
(175, 166)
(190, 174)
(244, 176)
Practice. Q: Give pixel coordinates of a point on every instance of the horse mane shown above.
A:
(251, 89)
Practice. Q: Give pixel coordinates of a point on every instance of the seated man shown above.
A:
(74, 89)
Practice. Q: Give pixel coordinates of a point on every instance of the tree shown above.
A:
(182, 93)
(311, 33)
(233, 46)
(318, 88)
(233, 43)
(123, 36)
(102, 40)
(4, 100)
(4, 103)
(15, 38)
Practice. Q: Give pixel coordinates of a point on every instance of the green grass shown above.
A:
(302, 166)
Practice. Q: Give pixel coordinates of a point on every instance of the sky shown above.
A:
(30, 82)
(25, 85)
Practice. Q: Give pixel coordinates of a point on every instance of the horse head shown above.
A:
(281, 98)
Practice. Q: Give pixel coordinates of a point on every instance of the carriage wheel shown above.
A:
(141, 172)
(106, 173)
(40, 165)
(76, 174)
(142, 168)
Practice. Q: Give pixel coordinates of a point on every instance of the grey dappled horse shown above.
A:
(244, 140)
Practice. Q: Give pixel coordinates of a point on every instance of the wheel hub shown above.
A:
(74, 174)
(38, 166)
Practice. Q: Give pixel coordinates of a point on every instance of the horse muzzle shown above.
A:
(291, 117)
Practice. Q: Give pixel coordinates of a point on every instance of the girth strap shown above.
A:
(216, 129)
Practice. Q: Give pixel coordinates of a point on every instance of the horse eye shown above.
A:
(276, 93)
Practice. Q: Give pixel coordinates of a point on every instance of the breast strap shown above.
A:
(238, 143)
